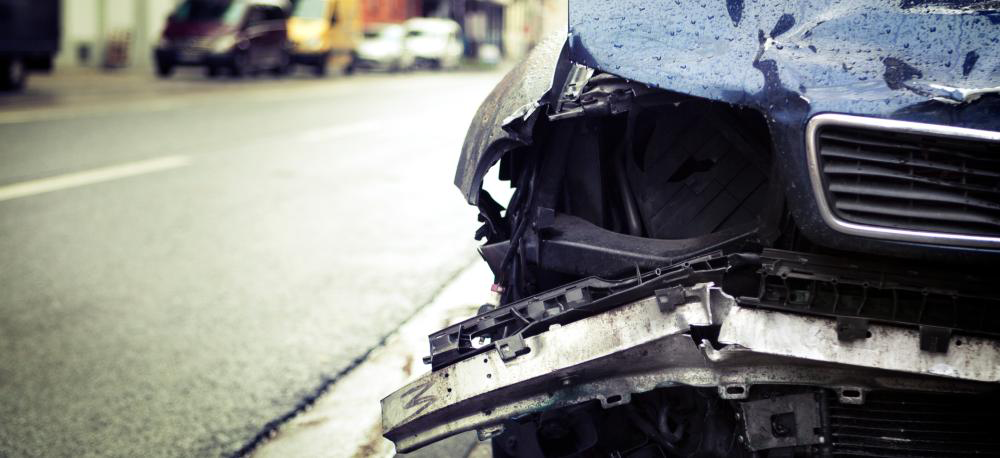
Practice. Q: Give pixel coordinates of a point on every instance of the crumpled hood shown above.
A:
(910, 60)
(843, 56)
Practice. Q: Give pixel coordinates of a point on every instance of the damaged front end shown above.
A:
(735, 230)
(720, 356)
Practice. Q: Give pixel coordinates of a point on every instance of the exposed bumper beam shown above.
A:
(637, 348)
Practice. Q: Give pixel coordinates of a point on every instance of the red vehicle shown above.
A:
(240, 36)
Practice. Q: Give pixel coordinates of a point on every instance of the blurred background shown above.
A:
(213, 212)
(122, 33)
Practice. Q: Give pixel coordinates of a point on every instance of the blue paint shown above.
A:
(735, 9)
(970, 62)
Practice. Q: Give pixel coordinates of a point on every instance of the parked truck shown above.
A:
(324, 34)
(29, 39)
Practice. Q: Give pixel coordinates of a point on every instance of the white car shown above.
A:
(434, 42)
(383, 47)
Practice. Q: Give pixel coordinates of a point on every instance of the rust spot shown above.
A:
(371, 448)
(314, 422)
(408, 365)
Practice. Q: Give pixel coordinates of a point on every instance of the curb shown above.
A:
(346, 420)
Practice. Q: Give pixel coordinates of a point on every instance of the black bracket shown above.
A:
(783, 421)
(531, 241)
(851, 328)
(577, 296)
(669, 298)
(511, 347)
(535, 314)
(530, 246)
(448, 343)
(934, 339)
(544, 218)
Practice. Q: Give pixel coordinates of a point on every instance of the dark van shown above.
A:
(240, 36)
(29, 39)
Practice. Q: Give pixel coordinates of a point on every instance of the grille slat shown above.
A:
(915, 417)
(895, 442)
(929, 226)
(916, 211)
(889, 453)
(860, 172)
(923, 431)
(894, 158)
(910, 180)
(928, 194)
(878, 139)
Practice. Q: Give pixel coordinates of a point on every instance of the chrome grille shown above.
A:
(907, 181)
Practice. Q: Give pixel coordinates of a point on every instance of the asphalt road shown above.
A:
(182, 262)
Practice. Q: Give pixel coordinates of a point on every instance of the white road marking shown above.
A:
(63, 113)
(114, 172)
(340, 130)
(72, 180)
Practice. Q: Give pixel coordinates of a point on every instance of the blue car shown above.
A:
(737, 229)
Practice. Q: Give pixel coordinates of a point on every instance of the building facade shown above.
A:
(389, 11)
(511, 26)
(130, 28)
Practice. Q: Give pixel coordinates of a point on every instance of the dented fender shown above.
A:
(500, 123)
